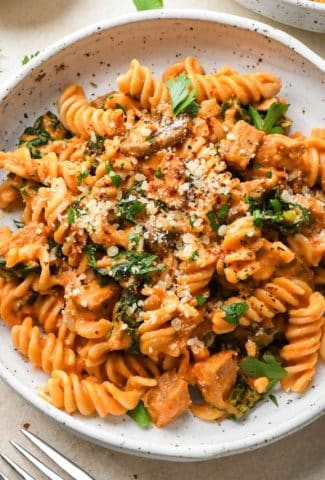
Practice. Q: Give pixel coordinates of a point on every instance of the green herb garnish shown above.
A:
(19, 223)
(140, 415)
(201, 300)
(95, 146)
(269, 368)
(213, 221)
(129, 209)
(74, 211)
(134, 238)
(82, 175)
(274, 399)
(138, 264)
(158, 173)
(24, 192)
(191, 220)
(272, 210)
(223, 213)
(91, 250)
(56, 246)
(234, 312)
(182, 98)
(27, 58)
(20, 270)
(270, 122)
(120, 107)
(194, 256)
(116, 179)
(148, 4)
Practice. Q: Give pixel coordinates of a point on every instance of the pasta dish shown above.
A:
(169, 254)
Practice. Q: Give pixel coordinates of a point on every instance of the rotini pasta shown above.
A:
(171, 236)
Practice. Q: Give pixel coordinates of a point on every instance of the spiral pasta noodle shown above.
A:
(48, 353)
(304, 334)
(81, 118)
(138, 82)
(87, 396)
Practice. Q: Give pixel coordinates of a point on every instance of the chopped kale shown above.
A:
(20, 270)
(273, 211)
(128, 209)
(131, 263)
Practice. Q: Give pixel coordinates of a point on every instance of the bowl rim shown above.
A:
(106, 438)
(306, 4)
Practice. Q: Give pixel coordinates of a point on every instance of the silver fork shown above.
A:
(60, 460)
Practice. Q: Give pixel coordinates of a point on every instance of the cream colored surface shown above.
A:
(25, 27)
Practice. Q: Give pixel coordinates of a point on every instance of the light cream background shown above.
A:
(30, 25)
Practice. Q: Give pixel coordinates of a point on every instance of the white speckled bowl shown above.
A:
(96, 55)
(304, 14)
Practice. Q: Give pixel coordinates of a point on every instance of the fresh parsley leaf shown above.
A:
(182, 98)
(269, 174)
(82, 175)
(201, 300)
(140, 415)
(71, 215)
(213, 221)
(223, 213)
(272, 210)
(116, 179)
(158, 173)
(269, 368)
(234, 312)
(269, 122)
(74, 211)
(274, 113)
(148, 4)
(256, 118)
(273, 399)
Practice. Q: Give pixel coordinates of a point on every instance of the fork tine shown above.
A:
(3, 476)
(37, 463)
(16, 467)
(66, 465)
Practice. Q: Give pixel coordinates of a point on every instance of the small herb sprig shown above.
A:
(269, 123)
(269, 367)
(182, 98)
(234, 311)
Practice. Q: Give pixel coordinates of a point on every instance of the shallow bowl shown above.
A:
(94, 57)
